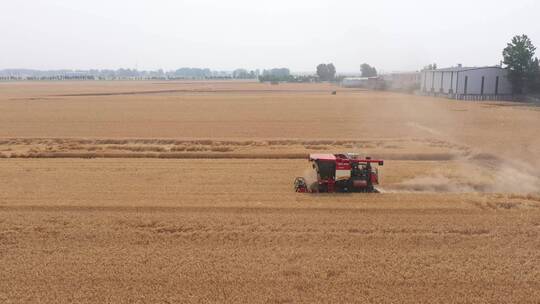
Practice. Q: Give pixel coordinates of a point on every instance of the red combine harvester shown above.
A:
(341, 173)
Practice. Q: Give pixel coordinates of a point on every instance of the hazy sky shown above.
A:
(392, 35)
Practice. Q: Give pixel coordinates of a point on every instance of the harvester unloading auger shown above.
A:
(341, 173)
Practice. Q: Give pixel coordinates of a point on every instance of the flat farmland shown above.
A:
(253, 111)
(146, 192)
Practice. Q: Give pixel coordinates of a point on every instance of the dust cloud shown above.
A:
(516, 177)
(492, 160)
(482, 173)
(311, 177)
(437, 183)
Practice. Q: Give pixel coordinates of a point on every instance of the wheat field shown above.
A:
(174, 192)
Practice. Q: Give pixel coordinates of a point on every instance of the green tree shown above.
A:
(522, 67)
(326, 72)
(331, 71)
(535, 81)
(276, 75)
(367, 70)
(322, 70)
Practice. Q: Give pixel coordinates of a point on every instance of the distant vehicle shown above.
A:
(341, 173)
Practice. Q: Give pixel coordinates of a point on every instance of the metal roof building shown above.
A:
(465, 82)
(360, 82)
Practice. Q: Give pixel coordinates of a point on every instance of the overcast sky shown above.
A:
(395, 35)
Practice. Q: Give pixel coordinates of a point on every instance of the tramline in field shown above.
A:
(341, 173)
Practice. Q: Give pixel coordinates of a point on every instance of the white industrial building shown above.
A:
(361, 82)
(467, 83)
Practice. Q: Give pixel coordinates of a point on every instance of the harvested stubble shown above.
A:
(182, 231)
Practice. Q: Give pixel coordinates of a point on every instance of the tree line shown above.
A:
(518, 58)
(105, 74)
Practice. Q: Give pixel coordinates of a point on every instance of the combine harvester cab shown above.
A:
(341, 173)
